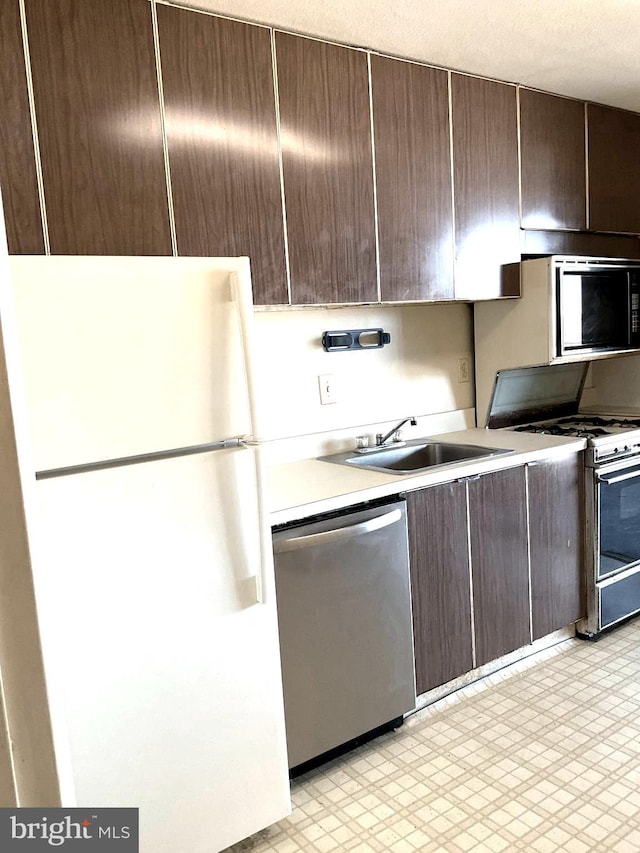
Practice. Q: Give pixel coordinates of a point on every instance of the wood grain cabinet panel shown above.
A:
(223, 143)
(328, 170)
(18, 179)
(486, 186)
(440, 584)
(413, 180)
(614, 169)
(583, 243)
(499, 560)
(98, 110)
(556, 543)
(552, 155)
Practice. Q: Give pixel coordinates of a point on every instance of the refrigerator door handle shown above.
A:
(226, 443)
(241, 293)
(154, 456)
(265, 544)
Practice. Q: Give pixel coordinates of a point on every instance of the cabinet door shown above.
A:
(552, 151)
(614, 169)
(223, 143)
(328, 170)
(556, 545)
(96, 98)
(485, 180)
(499, 560)
(413, 180)
(440, 584)
(17, 158)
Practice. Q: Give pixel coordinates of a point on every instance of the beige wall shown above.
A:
(615, 385)
(417, 374)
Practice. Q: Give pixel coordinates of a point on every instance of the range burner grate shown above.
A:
(583, 426)
(582, 431)
(588, 421)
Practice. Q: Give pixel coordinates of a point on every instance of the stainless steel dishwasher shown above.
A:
(346, 636)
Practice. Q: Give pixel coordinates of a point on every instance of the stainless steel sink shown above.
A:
(413, 456)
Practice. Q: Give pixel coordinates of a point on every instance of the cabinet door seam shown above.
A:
(163, 126)
(34, 128)
(474, 660)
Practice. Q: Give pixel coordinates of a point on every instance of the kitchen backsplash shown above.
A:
(416, 374)
(615, 385)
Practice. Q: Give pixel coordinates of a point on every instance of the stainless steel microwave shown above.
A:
(598, 307)
(571, 308)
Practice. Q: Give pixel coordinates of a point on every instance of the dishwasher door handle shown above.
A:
(337, 534)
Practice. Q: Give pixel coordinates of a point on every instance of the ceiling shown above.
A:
(588, 49)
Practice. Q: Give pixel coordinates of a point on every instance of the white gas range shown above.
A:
(546, 399)
(609, 436)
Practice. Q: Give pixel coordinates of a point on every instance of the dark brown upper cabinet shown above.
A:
(614, 169)
(223, 143)
(486, 186)
(328, 171)
(552, 161)
(96, 99)
(18, 180)
(413, 180)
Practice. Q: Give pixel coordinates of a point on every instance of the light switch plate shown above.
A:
(327, 386)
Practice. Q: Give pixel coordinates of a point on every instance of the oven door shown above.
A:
(617, 542)
(618, 508)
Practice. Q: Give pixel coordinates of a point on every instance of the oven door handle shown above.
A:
(610, 479)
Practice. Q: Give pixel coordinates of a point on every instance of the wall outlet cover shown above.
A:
(464, 370)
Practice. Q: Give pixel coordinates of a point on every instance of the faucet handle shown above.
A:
(362, 441)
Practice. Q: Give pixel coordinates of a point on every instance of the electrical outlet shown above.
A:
(464, 370)
(327, 386)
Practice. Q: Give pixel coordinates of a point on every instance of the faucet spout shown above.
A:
(381, 439)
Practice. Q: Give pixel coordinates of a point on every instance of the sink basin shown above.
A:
(414, 456)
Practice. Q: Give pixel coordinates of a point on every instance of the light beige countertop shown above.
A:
(300, 489)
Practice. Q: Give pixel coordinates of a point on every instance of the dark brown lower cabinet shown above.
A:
(439, 555)
(556, 544)
(499, 561)
(490, 554)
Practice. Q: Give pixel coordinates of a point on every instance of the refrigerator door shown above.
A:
(163, 672)
(124, 356)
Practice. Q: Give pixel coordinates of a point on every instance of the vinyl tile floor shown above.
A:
(543, 756)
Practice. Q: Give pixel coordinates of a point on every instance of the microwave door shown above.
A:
(594, 311)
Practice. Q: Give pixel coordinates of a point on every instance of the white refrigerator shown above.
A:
(150, 544)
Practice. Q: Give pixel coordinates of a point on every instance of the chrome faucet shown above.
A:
(381, 439)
